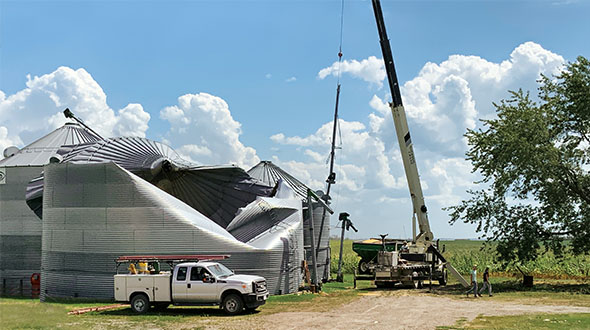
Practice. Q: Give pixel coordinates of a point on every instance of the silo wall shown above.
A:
(93, 213)
(20, 232)
(323, 246)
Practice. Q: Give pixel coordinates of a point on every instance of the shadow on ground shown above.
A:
(173, 311)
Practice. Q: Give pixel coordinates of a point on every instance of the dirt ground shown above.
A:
(395, 311)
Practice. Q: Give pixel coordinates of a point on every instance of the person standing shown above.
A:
(473, 282)
(486, 282)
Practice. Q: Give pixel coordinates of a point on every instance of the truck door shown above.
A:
(199, 291)
(179, 284)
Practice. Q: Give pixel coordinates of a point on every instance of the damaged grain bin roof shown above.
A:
(215, 191)
(269, 174)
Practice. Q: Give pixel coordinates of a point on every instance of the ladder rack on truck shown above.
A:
(169, 259)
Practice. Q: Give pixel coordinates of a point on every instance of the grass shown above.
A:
(535, 321)
(19, 313)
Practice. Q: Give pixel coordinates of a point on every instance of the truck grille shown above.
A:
(260, 286)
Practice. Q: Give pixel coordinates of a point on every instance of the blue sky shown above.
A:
(246, 53)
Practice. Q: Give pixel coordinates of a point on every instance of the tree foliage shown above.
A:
(534, 159)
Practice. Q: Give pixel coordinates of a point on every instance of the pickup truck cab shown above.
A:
(192, 283)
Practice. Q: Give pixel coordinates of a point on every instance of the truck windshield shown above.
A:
(220, 270)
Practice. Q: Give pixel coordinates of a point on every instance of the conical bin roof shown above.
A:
(39, 152)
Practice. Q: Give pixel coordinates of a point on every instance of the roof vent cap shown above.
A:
(10, 151)
(57, 158)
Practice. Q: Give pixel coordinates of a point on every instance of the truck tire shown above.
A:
(140, 303)
(442, 281)
(363, 267)
(232, 304)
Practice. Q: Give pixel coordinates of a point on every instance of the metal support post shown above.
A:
(314, 278)
(339, 277)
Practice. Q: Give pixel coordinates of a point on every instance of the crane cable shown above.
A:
(341, 33)
(332, 175)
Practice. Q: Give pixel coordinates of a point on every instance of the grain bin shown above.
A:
(269, 174)
(20, 228)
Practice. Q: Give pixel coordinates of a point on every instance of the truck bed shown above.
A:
(156, 286)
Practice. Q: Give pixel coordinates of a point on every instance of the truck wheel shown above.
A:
(140, 303)
(363, 267)
(233, 304)
(443, 279)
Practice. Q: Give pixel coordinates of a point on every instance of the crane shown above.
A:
(425, 236)
(394, 261)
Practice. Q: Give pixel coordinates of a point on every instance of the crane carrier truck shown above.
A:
(420, 259)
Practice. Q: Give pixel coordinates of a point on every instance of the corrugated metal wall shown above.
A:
(323, 246)
(20, 233)
(93, 213)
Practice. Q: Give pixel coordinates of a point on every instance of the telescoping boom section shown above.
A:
(403, 134)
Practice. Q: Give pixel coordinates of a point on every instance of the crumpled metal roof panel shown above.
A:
(269, 174)
(215, 191)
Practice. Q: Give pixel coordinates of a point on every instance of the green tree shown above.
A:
(534, 159)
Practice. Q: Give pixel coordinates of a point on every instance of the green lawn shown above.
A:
(524, 322)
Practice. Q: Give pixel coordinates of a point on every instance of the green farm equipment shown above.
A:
(369, 249)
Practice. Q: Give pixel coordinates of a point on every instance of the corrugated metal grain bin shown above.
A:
(88, 222)
(20, 228)
(269, 174)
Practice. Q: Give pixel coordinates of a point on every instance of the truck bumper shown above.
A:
(253, 300)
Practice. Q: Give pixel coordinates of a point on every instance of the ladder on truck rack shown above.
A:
(173, 258)
(169, 259)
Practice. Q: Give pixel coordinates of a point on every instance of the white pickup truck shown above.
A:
(192, 283)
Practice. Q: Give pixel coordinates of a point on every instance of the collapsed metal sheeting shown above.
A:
(93, 213)
(20, 229)
(269, 174)
(215, 191)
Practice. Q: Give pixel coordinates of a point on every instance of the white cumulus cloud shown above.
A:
(203, 129)
(441, 102)
(371, 70)
(36, 109)
(445, 99)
